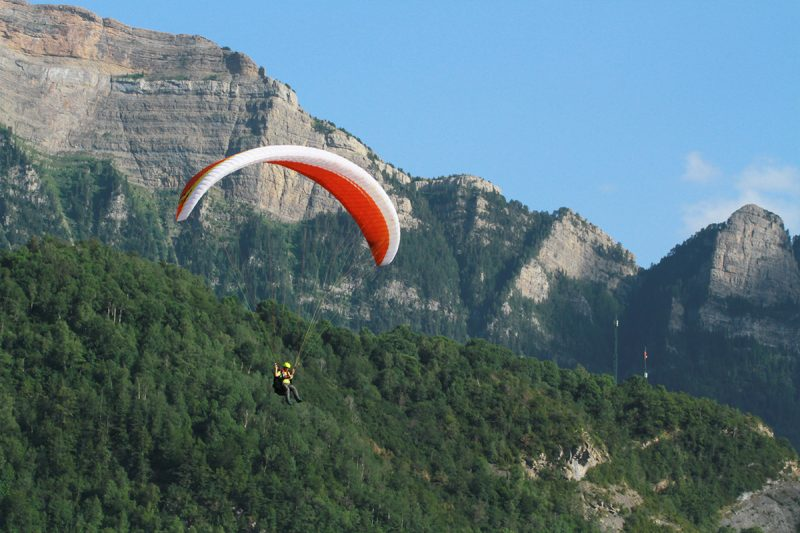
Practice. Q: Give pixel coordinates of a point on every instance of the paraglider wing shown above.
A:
(359, 193)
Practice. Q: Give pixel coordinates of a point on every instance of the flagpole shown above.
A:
(645, 362)
(616, 352)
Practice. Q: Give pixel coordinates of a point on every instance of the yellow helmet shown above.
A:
(287, 364)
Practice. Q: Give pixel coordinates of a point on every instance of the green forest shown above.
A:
(133, 398)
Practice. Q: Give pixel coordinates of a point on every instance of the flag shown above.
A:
(645, 354)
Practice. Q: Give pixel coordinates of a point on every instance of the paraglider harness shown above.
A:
(280, 375)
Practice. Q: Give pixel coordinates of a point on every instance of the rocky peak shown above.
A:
(469, 181)
(753, 280)
(753, 259)
(579, 250)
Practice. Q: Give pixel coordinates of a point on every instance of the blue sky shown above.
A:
(650, 119)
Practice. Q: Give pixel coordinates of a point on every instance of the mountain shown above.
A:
(754, 282)
(103, 123)
(720, 317)
(134, 399)
(159, 107)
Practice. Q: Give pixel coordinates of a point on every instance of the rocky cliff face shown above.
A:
(753, 259)
(557, 299)
(160, 106)
(775, 507)
(739, 278)
(579, 250)
(754, 280)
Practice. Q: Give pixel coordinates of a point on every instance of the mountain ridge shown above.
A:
(116, 141)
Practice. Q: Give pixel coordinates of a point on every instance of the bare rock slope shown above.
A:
(774, 508)
(754, 279)
(160, 106)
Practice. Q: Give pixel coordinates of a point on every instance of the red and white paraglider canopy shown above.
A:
(359, 193)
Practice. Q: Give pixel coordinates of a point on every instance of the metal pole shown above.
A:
(616, 351)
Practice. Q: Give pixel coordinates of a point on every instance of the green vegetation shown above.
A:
(75, 198)
(324, 127)
(133, 76)
(134, 399)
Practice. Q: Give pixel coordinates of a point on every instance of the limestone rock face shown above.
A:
(160, 106)
(465, 180)
(578, 250)
(572, 464)
(753, 259)
(753, 271)
(586, 457)
(607, 506)
(775, 507)
(532, 282)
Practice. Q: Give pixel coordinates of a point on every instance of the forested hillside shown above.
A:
(132, 398)
(453, 275)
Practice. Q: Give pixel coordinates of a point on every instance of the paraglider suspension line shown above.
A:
(353, 243)
(237, 274)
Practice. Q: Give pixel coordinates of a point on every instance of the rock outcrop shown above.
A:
(607, 506)
(753, 259)
(578, 250)
(775, 507)
(160, 106)
(572, 464)
(754, 280)
(462, 180)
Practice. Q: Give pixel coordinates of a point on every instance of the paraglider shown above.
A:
(358, 192)
(282, 382)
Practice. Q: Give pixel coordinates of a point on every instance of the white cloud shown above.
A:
(699, 215)
(608, 188)
(775, 188)
(698, 170)
(767, 184)
(769, 177)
